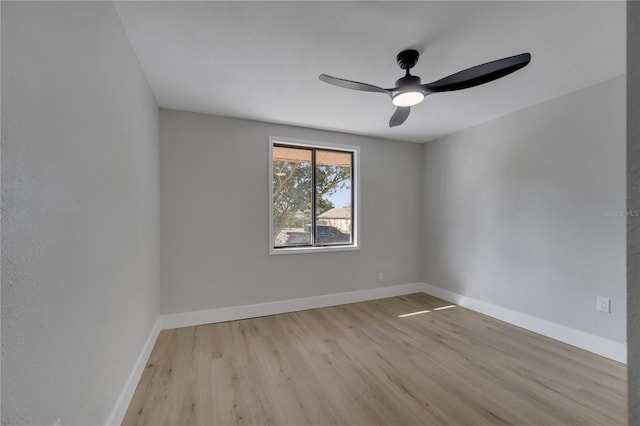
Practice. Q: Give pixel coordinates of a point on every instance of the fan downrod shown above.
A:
(407, 59)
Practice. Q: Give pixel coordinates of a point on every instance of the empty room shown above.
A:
(320, 213)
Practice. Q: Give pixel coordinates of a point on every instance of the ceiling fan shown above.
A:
(409, 91)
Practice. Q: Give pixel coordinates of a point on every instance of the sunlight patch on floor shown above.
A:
(444, 307)
(424, 312)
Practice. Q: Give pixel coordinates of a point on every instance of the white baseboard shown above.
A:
(124, 399)
(209, 316)
(589, 342)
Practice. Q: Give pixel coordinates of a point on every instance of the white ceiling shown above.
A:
(261, 60)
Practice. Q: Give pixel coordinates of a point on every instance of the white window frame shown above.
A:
(355, 150)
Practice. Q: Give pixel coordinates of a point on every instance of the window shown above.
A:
(312, 183)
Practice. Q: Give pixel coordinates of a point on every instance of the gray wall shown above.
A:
(515, 210)
(214, 216)
(633, 204)
(80, 214)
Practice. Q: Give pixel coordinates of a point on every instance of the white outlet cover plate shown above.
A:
(603, 304)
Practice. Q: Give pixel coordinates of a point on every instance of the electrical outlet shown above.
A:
(380, 277)
(603, 304)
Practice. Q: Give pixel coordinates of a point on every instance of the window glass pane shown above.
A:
(292, 195)
(334, 197)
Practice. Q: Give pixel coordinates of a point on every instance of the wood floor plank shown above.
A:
(363, 364)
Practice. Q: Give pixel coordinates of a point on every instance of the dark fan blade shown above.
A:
(399, 117)
(479, 74)
(354, 85)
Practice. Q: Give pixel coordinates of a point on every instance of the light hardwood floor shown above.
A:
(362, 364)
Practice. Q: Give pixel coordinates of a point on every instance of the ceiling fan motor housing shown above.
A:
(408, 81)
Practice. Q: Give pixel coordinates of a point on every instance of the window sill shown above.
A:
(301, 250)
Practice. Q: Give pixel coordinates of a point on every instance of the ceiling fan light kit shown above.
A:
(409, 91)
(407, 99)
